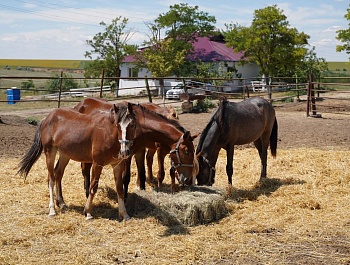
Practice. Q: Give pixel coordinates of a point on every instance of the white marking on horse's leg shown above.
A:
(51, 203)
(122, 210)
(89, 217)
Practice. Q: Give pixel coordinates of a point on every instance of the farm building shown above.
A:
(207, 50)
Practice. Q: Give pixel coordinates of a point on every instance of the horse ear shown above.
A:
(195, 136)
(115, 109)
(130, 109)
(187, 135)
(112, 112)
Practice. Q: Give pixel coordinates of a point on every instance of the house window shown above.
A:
(133, 72)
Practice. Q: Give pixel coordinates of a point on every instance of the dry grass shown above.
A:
(300, 215)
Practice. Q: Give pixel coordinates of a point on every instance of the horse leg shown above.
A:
(262, 149)
(50, 162)
(118, 173)
(172, 176)
(229, 161)
(59, 170)
(95, 177)
(149, 159)
(85, 170)
(141, 172)
(161, 154)
(126, 176)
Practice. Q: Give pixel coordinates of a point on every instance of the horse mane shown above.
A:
(160, 116)
(222, 113)
(219, 118)
(121, 112)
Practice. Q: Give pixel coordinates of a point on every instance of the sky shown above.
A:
(40, 29)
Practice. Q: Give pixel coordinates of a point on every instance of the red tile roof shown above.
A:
(208, 50)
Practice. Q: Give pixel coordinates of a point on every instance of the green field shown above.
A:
(65, 64)
(339, 66)
(7, 83)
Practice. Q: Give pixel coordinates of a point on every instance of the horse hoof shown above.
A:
(63, 207)
(126, 217)
(89, 217)
(52, 213)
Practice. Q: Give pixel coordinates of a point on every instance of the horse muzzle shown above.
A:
(183, 180)
(125, 148)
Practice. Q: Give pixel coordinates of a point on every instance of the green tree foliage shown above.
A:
(167, 56)
(27, 84)
(53, 85)
(162, 58)
(186, 23)
(311, 64)
(269, 41)
(110, 48)
(344, 36)
(182, 24)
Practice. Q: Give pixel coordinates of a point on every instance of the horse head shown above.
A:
(125, 119)
(184, 162)
(206, 172)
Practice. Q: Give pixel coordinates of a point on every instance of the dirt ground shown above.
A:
(301, 215)
(295, 129)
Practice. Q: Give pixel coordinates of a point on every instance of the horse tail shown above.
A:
(32, 155)
(273, 138)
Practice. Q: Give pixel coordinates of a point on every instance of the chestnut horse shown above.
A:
(89, 139)
(96, 105)
(252, 120)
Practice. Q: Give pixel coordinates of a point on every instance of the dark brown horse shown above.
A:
(89, 139)
(95, 105)
(252, 120)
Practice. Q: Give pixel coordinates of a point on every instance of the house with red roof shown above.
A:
(206, 49)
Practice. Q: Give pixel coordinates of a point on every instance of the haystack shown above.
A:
(199, 205)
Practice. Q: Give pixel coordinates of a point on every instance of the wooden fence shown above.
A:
(323, 97)
(283, 89)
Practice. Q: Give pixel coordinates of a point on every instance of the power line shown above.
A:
(54, 7)
(48, 16)
(58, 7)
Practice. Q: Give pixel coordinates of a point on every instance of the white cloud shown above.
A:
(332, 29)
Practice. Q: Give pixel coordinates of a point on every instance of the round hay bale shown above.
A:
(200, 205)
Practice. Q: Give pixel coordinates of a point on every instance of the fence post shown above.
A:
(308, 96)
(268, 84)
(60, 91)
(148, 91)
(102, 80)
(297, 87)
(311, 97)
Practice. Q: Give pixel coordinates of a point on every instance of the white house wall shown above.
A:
(136, 87)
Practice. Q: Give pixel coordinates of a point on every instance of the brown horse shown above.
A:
(96, 105)
(170, 113)
(89, 139)
(252, 120)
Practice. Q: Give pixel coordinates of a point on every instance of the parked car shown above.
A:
(193, 87)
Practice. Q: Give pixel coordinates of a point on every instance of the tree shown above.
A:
(167, 56)
(311, 64)
(186, 23)
(53, 85)
(344, 36)
(269, 41)
(27, 84)
(110, 47)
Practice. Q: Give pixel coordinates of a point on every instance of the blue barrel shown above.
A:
(13, 95)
